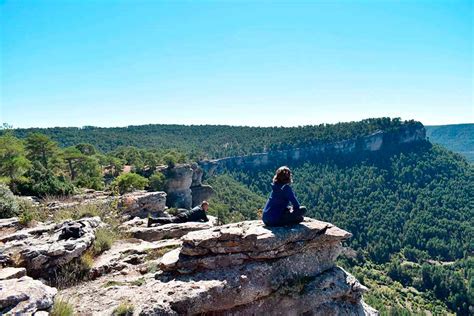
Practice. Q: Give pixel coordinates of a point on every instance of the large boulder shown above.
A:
(41, 249)
(201, 193)
(25, 296)
(128, 253)
(138, 229)
(143, 203)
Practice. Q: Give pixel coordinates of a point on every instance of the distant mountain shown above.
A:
(457, 137)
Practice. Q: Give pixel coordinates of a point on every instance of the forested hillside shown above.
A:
(212, 141)
(411, 210)
(458, 138)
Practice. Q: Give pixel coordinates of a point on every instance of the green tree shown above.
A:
(73, 157)
(13, 163)
(41, 148)
(157, 181)
(89, 174)
(86, 149)
(129, 182)
(43, 182)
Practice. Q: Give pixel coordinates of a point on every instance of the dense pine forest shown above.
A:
(410, 207)
(411, 211)
(211, 141)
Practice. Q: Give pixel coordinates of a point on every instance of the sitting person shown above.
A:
(277, 211)
(197, 214)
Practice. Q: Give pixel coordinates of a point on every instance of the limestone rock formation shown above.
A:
(40, 249)
(127, 253)
(247, 268)
(142, 203)
(138, 203)
(184, 186)
(369, 143)
(201, 193)
(237, 269)
(12, 273)
(137, 229)
(25, 296)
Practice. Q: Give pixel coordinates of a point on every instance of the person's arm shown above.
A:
(291, 197)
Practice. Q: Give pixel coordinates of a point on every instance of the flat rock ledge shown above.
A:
(39, 249)
(247, 268)
(233, 244)
(25, 296)
(137, 229)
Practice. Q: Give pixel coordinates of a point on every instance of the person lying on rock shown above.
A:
(277, 211)
(197, 214)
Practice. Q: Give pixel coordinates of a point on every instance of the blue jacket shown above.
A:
(280, 198)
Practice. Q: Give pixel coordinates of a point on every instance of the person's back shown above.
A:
(277, 211)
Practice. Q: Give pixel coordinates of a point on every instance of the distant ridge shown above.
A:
(456, 137)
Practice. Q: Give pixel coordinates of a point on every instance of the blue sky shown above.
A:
(261, 63)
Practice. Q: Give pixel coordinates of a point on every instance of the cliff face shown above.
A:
(370, 143)
(183, 186)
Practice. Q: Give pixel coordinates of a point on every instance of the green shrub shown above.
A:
(73, 272)
(128, 182)
(9, 206)
(43, 182)
(104, 238)
(157, 181)
(26, 217)
(61, 308)
(124, 309)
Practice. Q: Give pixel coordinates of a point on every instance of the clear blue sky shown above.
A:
(118, 63)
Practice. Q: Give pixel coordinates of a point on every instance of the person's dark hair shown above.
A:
(282, 175)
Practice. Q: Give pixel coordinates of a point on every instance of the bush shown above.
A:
(128, 182)
(42, 182)
(157, 182)
(124, 309)
(73, 272)
(61, 308)
(104, 238)
(9, 206)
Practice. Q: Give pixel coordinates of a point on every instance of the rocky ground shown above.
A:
(191, 268)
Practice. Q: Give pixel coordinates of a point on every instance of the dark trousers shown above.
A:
(290, 218)
(167, 220)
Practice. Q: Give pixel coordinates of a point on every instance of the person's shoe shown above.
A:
(149, 222)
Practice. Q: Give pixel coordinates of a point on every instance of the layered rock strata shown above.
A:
(237, 269)
(137, 229)
(370, 143)
(41, 249)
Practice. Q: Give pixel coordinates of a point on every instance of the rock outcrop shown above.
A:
(44, 247)
(237, 269)
(184, 187)
(138, 203)
(127, 253)
(371, 143)
(25, 296)
(247, 268)
(138, 229)
(142, 203)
